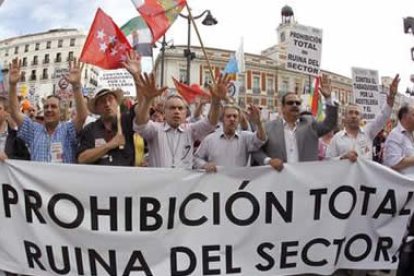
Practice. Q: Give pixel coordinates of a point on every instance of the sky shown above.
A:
(364, 33)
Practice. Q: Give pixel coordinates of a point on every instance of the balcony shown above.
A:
(57, 60)
(270, 92)
(34, 62)
(46, 61)
(256, 90)
(45, 76)
(33, 77)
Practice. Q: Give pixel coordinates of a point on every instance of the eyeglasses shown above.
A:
(297, 103)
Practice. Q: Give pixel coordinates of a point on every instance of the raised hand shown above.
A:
(133, 64)
(75, 73)
(393, 90)
(147, 87)
(325, 87)
(219, 90)
(255, 115)
(14, 71)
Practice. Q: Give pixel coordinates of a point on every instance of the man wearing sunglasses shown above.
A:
(293, 137)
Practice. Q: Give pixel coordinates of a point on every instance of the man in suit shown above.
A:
(293, 137)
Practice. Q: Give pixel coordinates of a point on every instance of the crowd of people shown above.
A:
(160, 131)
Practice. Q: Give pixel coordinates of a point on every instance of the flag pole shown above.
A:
(201, 43)
(118, 113)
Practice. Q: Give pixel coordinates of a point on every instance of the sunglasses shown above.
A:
(297, 103)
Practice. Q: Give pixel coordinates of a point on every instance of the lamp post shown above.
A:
(164, 45)
(209, 20)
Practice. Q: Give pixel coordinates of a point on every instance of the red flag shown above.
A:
(106, 46)
(315, 98)
(159, 14)
(189, 93)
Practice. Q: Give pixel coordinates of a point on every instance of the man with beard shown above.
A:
(293, 137)
(54, 141)
(228, 147)
(353, 141)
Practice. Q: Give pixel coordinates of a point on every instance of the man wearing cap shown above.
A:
(54, 141)
(100, 142)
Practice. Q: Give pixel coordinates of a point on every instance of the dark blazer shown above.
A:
(308, 132)
(15, 147)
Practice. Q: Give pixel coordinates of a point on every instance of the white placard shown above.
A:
(115, 79)
(304, 50)
(365, 84)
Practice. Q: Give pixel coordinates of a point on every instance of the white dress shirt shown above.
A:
(292, 152)
(343, 142)
(399, 144)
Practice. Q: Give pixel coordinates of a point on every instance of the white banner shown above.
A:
(304, 50)
(366, 91)
(118, 79)
(312, 217)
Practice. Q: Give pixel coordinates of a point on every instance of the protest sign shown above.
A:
(313, 217)
(304, 50)
(366, 91)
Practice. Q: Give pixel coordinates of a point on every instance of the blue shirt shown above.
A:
(40, 142)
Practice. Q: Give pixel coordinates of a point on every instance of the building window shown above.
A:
(70, 56)
(270, 86)
(242, 102)
(285, 87)
(26, 48)
(37, 46)
(16, 50)
(207, 78)
(182, 75)
(72, 42)
(270, 103)
(58, 57)
(35, 61)
(23, 76)
(33, 75)
(46, 60)
(45, 75)
(60, 43)
(6, 54)
(297, 88)
(24, 62)
(48, 44)
(256, 84)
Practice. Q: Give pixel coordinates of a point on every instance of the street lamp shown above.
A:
(209, 20)
(164, 45)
